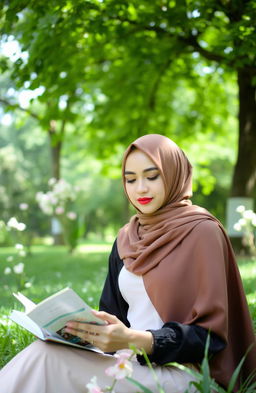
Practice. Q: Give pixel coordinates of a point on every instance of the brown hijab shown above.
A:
(187, 262)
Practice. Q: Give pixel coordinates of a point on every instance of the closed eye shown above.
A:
(130, 181)
(153, 178)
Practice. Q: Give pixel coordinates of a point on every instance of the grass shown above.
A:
(247, 267)
(52, 269)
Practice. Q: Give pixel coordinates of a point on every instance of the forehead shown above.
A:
(138, 160)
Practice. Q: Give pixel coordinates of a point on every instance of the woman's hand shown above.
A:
(112, 336)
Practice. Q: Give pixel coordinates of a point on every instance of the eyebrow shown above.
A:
(145, 170)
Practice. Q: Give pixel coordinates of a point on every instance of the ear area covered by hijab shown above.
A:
(186, 260)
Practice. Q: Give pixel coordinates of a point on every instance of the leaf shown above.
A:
(142, 387)
(235, 374)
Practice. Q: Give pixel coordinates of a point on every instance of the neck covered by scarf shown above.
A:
(186, 260)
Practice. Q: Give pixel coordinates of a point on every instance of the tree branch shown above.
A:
(17, 106)
(190, 40)
(156, 84)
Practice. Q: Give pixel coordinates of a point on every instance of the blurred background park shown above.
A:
(80, 80)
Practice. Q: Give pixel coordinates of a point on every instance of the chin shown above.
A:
(147, 209)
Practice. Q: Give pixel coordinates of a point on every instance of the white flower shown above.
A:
(248, 214)
(240, 209)
(71, 215)
(21, 226)
(10, 258)
(242, 222)
(23, 206)
(13, 223)
(7, 270)
(19, 246)
(18, 269)
(93, 386)
(59, 210)
(53, 200)
(28, 285)
(237, 227)
(45, 202)
(52, 181)
(122, 368)
(22, 253)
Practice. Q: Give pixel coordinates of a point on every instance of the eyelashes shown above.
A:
(148, 178)
(153, 178)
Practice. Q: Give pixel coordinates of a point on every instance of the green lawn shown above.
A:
(52, 269)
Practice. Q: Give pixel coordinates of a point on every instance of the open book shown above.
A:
(47, 319)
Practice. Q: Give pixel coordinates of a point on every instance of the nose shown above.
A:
(142, 186)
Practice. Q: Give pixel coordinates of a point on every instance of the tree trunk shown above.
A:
(55, 148)
(244, 177)
(56, 155)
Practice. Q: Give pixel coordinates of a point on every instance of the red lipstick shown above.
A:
(144, 201)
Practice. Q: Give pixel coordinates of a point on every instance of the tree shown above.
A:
(220, 31)
(136, 59)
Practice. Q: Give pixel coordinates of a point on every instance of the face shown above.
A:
(143, 182)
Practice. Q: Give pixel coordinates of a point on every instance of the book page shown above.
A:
(23, 320)
(58, 339)
(27, 303)
(54, 312)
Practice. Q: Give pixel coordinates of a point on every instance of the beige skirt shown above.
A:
(52, 368)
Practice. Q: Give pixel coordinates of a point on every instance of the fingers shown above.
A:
(108, 337)
(104, 316)
(82, 327)
(85, 331)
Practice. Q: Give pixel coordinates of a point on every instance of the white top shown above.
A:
(142, 315)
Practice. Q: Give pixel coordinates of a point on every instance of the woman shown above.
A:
(172, 280)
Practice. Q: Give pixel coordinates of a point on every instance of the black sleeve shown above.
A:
(111, 299)
(176, 342)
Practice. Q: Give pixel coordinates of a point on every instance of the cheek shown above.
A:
(161, 190)
(128, 189)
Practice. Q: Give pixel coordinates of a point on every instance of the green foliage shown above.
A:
(24, 160)
(115, 70)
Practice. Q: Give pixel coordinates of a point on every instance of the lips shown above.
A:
(144, 201)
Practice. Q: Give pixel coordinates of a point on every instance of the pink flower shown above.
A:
(59, 210)
(71, 215)
(93, 386)
(123, 366)
(23, 206)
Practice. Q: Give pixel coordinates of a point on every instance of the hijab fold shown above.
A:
(187, 262)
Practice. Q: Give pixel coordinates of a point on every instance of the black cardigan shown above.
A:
(174, 342)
